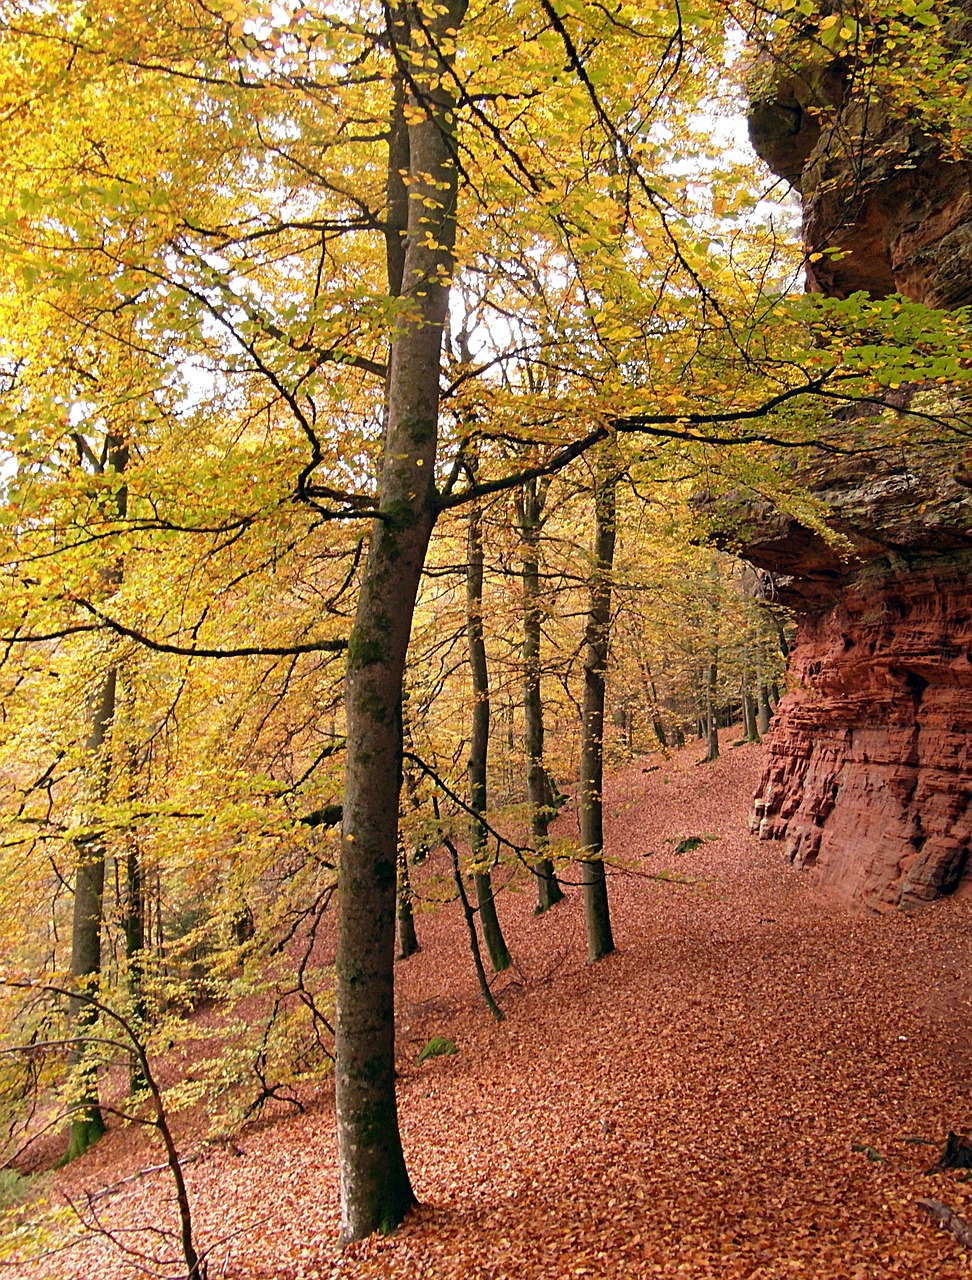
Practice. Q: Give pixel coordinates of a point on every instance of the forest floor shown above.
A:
(753, 1085)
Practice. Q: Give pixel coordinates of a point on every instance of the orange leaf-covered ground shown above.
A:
(688, 1107)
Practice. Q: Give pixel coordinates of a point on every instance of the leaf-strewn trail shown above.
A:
(739, 1091)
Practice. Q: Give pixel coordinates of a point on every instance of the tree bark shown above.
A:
(763, 711)
(657, 723)
(469, 916)
(711, 722)
(499, 956)
(712, 674)
(87, 1123)
(375, 1189)
(597, 915)
(750, 729)
(408, 944)
(133, 927)
(530, 519)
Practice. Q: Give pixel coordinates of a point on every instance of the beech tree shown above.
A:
(530, 505)
(499, 955)
(237, 230)
(600, 939)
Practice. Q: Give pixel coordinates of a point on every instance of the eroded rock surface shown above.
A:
(869, 769)
(875, 187)
(868, 772)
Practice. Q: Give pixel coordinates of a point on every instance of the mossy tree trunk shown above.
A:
(530, 504)
(499, 956)
(597, 914)
(375, 1189)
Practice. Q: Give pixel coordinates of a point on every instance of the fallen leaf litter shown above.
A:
(746, 1090)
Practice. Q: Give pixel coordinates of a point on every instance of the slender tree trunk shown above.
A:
(133, 921)
(469, 916)
(597, 916)
(711, 710)
(712, 672)
(763, 712)
(375, 1189)
(133, 909)
(750, 730)
(408, 943)
(499, 956)
(750, 727)
(529, 515)
(133, 927)
(657, 723)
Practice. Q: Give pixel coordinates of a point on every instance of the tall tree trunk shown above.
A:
(530, 519)
(133, 927)
(375, 1189)
(597, 916)
(133, 911)
(712, 672)
(87, 1123)
(499, 956)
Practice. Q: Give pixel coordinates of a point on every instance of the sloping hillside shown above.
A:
(750, 1087)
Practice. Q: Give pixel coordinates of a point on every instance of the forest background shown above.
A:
(359, 365)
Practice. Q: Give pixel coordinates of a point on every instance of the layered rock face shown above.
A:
(869, 774)
(869, 770)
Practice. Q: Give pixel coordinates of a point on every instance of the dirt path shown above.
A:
(689, 1107)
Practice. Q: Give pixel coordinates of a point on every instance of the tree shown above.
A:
(244, 274)
(375, 1188)
(499, 956)
(87, 1123)
(530, 504)
(600, 940)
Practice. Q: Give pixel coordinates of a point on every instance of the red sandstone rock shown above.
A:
(869, 776)
(869, 772)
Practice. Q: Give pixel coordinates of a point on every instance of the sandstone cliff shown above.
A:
(869, 770)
